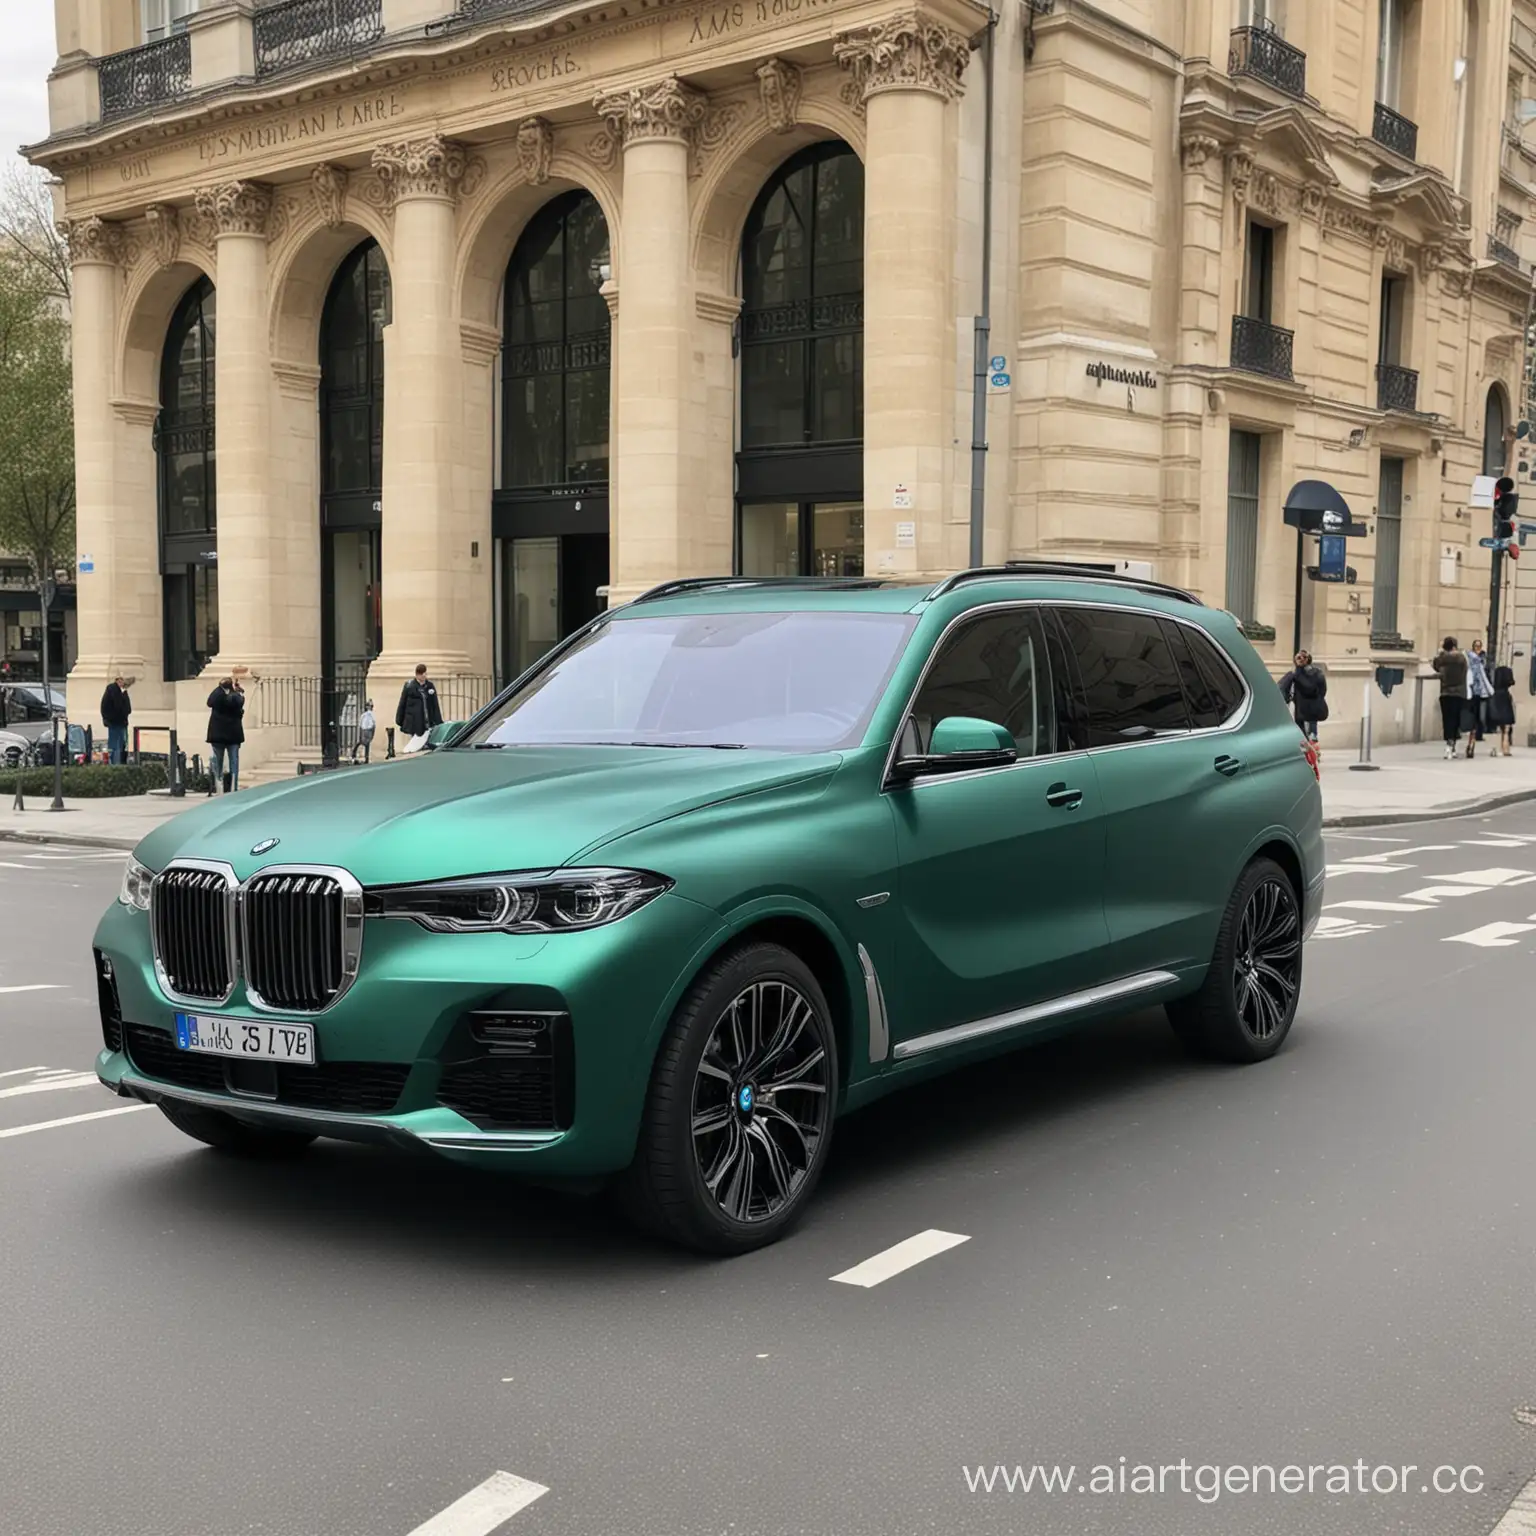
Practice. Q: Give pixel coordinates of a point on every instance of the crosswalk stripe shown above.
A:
(901, 1257)
(485, 1507)
(50, 1085)
(1491, 935)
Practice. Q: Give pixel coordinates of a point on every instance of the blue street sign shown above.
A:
(1331, 552)
(1000, 381)
(87, 565)
(999, 364)
(1493, 543)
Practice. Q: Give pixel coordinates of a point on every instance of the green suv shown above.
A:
(734, 859)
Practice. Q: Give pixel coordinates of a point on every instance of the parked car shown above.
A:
(738, 857)
(13, 749)
(25, 709)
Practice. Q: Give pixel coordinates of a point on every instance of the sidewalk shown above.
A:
(1412, 783)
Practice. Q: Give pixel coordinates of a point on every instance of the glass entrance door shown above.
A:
(807, 538)
(353, 634)
(549, 589)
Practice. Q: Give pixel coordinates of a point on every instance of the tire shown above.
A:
(729, 1153)
(216, 1129)
(1247, 1003)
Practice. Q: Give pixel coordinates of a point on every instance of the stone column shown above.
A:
(426, 574)
(906, 70)
(656, 442)
(119, 610)
(253, 563)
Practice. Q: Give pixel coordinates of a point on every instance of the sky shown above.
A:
(26, 55)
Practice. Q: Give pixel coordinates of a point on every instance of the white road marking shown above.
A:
(1520, 1518)
(1433, 893)
(51, 1085)
(926, 1245)
(1491, 935)
(48, 1125)
(23, 1071)
(35, 986)
(1363, 868)
(1487, 879)
(1361, 837)
(1342, 928)
(1402, 853)
(1382, 906)
(484, 1508)
(1494, 842)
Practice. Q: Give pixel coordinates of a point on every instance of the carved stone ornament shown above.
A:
(1314, 199)
(94, 239)
(164, 233)
(330, 188)
(1393, 246)
(603, 148)
(236, 208)
(1268, 195)
(1350, 221)
(1240, 169)
(910, 52)
(1197, 151)
(666, 110)
(718, 125)
(778, 86)
(535, 149)
(426, 167)
(1431, 259)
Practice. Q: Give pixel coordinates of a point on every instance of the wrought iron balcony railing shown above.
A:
(1499, 250)
(1397, 389)
(1265, 55)
(140, 78)
(474, 10)
(296, 33)
(1259, 347)
(1393, 130)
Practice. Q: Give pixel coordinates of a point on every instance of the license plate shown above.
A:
(246, 1038)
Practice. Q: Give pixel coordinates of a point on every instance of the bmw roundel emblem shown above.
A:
(744, 1098)
(266, 845)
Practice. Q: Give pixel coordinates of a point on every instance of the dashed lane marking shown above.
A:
(51, 1085)
(1361, 837)
(95, 1114)
(23, 1071)
(484, 1508)
(35, 986)
(1492, 935)
(1520, 1518)
(893, 1261)
(1364, 867)
(1381, 906)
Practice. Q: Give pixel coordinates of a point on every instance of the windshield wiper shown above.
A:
(703, 746)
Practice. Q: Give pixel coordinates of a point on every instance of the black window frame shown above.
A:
(348, 505)
(1087, 732)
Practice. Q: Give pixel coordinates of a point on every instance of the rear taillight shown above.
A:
(1314, 762)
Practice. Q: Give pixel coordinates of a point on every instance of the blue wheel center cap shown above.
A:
(745, 1098)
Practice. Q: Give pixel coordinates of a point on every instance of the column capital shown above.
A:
(667, 110)
(236, 207)
(906, 52)
(429, 167)
(94, 240)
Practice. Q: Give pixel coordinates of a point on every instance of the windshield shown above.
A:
(801, 681)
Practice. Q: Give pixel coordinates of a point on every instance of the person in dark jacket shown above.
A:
(1501, 710)
(1305, 689)
(1451, 664)
(116, 706)
(226, 730)
(419, 711)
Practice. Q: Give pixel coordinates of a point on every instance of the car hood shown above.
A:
(469, 812)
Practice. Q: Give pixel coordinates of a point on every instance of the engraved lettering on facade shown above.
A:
(708, 25)
(316, 124)
(134, 170)
(537, 71)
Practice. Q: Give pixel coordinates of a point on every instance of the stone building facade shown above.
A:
(415, 330)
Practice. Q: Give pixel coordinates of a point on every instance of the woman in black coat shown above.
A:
(1501, 710)
(226, 730)
(1305, 689)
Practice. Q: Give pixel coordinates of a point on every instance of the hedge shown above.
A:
(95, 781)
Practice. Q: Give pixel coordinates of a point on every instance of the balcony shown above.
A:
(1259, 347)
(1397, 389)
(1504, 253)
(1394, 131)
(1265, 55)
(140, 79)
(297, 33)
(475, 10)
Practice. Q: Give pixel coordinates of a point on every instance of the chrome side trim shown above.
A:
(1073, 1002)
(874, 996)
(351, 934)
(879, 899)
(231, 932)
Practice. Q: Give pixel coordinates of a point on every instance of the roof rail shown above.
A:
(686, 584)
(1064, 569)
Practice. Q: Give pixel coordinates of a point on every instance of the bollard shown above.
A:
(59, 749)
(1365, 765)
(175, 766)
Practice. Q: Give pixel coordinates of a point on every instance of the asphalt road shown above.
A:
(1325, 1261)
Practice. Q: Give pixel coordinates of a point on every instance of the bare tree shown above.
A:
(28, 227)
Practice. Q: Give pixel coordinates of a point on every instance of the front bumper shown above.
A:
(618, 985)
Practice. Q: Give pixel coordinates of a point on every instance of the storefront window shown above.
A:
(352, 363)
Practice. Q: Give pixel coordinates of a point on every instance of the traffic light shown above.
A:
(1506, 503)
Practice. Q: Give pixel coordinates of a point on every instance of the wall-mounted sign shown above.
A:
(901, 499)
(906, 535)
(1107, 373)
(1000, 382)
(1482, 492)
(87, 565)
(1331, 549)
(998, 365)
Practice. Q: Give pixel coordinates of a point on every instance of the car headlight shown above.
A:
(561, 901)
(135, 888)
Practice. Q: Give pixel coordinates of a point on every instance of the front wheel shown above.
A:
(738, 1120)
(1247, 1003)
(214, 1128)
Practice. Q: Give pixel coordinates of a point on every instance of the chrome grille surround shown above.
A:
(301, 936)
(191, 945)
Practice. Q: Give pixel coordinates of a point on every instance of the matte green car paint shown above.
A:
(971, 924)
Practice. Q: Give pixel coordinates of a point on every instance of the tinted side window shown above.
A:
(1128, 675)
(991, 668)
(1204, 707)
(1227, 690)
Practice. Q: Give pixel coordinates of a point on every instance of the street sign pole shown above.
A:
(1300, 562)
(1495, 589)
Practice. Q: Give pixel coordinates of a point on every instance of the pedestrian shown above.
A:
(116, 706)
(226, 730)
(1451, 664)
(367, 725)
(419, 710)
(1501, 710)
(1479, 691)
(1305, 689)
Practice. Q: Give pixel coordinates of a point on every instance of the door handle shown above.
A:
(1063, 797)
(1229, 765)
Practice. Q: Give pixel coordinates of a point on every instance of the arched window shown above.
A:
(556, 349)
(1495, 430)
(188, 477)
(800, 470)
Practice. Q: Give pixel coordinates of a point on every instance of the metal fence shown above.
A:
(295, 33)
(148, 76)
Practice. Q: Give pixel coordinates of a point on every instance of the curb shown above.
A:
(1443, 813)
(69, 840)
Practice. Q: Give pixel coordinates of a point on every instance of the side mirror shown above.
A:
(959, 744)
(441, 735)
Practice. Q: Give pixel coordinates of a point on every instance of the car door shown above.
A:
(1170, 785)
(1001, 869)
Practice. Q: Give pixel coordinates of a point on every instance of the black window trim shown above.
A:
(1238, 719)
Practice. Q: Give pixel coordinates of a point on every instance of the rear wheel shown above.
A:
(738, 1120)
(1247, 1003)
(216, 1129)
